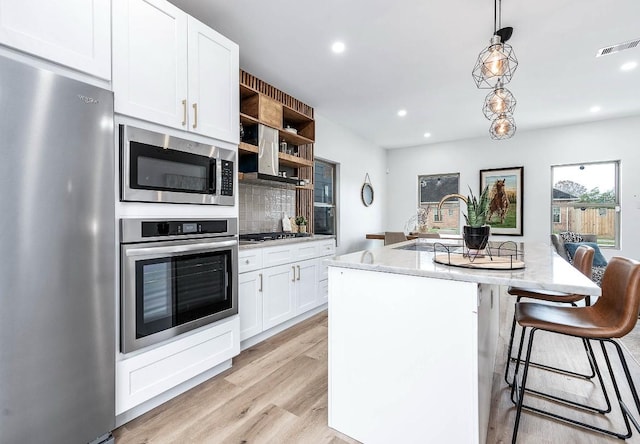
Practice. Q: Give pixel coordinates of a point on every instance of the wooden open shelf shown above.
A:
(248, 148)
(293, 139)
(246, 119)
(261, 103)
(294, 161)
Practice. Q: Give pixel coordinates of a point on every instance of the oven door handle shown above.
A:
(180, 248)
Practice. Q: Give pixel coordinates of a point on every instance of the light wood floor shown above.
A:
(276, 392)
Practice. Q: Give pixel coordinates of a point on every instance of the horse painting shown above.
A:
(499, 202)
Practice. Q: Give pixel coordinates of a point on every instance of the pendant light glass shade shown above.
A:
(502, 127)
(496, 63)
(499, 101)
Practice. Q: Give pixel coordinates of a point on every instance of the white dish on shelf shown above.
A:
(291, 130)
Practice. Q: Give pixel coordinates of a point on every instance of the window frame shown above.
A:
(615, 206)
(334, 197)
(437, 218)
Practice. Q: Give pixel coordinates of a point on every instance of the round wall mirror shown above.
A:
(367, 194)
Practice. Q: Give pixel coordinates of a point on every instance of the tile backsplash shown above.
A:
(262, 207)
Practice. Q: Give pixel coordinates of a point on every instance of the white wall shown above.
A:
(355, 158)
(537, 151)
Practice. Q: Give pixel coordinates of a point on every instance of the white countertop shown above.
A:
(247, 245)
(544, 268)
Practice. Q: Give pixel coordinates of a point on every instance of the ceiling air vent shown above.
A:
(617, 48)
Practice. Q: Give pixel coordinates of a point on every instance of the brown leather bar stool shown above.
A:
(613, 316)
(583, 260)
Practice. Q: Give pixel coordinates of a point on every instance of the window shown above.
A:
(586, 199)
(555, 212)
(432, 188)
(324, 202)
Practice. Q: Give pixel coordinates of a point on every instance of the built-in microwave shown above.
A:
(157, 167)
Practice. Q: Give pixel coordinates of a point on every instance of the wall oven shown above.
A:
(157, 167)
(176, 275)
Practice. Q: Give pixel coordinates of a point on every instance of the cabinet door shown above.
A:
(306, 285)
(213, 83)
(74, 33)
(250, 304)
(150, 61)
(278, 300)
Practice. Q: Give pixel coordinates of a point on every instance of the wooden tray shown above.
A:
(484, 262)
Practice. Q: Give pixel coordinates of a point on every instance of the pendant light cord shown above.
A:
(495, 15)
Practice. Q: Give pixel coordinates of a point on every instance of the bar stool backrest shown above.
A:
(583, 259)
(620, 301)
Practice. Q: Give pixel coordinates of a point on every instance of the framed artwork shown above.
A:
(505, 204)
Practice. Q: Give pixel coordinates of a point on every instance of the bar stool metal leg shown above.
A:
(511, 359)
(518, 391)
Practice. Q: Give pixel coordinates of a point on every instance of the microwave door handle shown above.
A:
(213, 177)
(180, 248)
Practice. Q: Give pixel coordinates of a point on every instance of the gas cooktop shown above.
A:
(260, 237)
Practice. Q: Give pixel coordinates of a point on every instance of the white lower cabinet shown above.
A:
(292, 280)
(250, 303)
(278, 298)
(306, 285)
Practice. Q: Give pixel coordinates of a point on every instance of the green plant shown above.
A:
(301, 220)
(477, 210)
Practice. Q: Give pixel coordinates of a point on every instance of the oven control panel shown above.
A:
(176, 228)
(133, 230)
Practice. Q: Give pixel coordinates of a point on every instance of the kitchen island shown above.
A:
(412, 343)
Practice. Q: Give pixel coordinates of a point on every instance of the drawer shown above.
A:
(249, 260)
(151, 373)
(327, 248)
(284, 254)
(306, 250)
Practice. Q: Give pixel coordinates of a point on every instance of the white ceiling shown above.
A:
(418, 55)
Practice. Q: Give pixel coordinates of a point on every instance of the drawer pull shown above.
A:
(246, 261)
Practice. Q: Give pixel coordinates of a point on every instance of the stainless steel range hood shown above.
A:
(267, 167)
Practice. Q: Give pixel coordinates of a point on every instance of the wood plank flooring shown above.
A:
(276, 392)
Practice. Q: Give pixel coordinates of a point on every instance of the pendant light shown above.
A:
(499, 101)
(502, 127)
(497, 62)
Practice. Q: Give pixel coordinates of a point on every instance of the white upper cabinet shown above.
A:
(150, 61)
(73, 33)
(170, 69)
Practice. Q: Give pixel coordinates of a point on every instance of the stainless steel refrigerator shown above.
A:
(57, 258)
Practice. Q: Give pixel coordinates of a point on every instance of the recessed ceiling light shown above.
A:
(628, 66)
(427, 135)
(402, 112)
(338, 47)
(594, 109)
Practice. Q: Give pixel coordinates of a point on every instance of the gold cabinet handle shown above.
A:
(298, 271)
(294, 273)
(195, 115)
(260, 289)
(184, 112)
